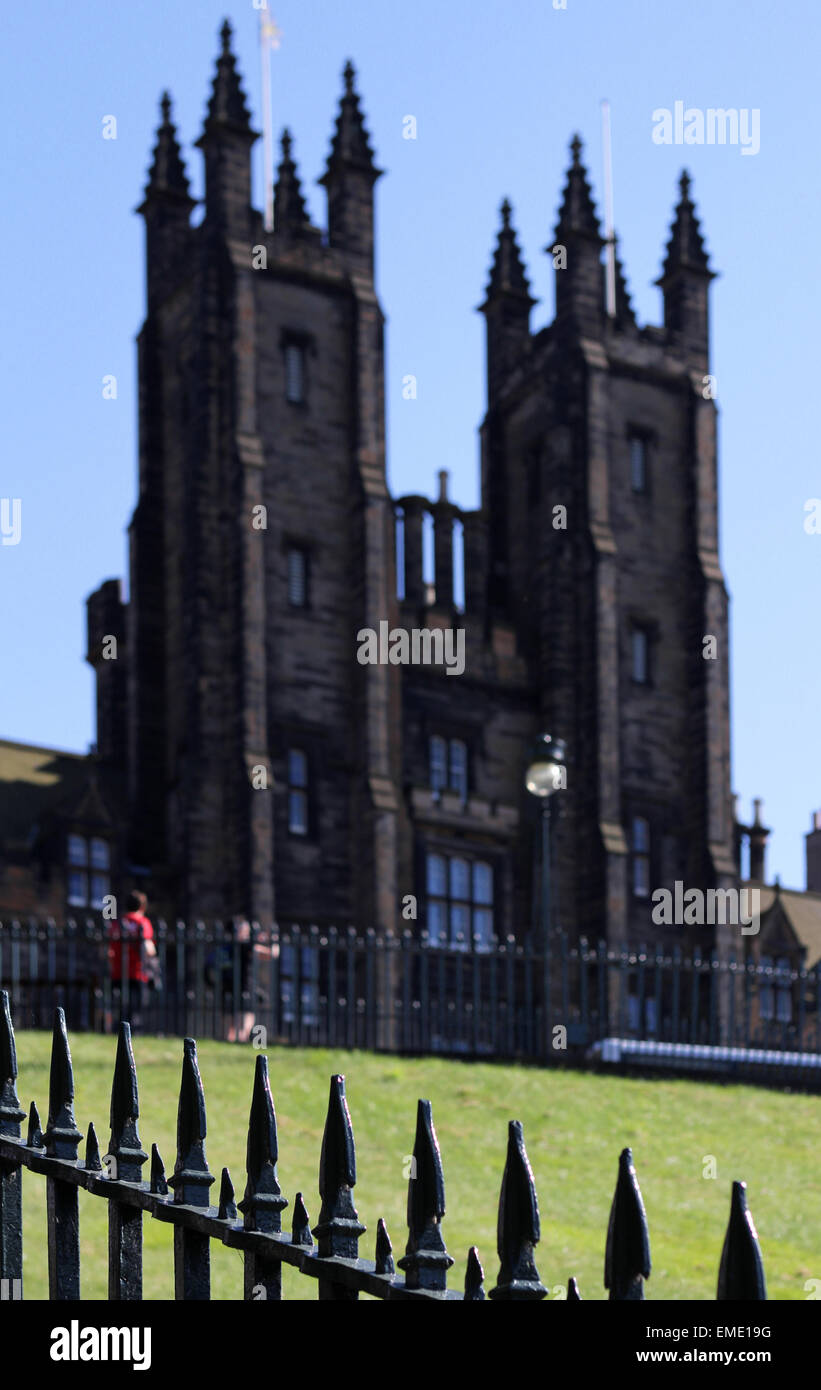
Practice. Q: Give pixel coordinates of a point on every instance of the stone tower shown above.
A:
(269, 771)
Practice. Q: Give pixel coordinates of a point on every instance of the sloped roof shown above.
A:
(802, 911)
(34, 781)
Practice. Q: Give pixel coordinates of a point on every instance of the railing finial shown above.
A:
(62, 1137)
(627, 1254)
(10, 1112)
(191, 1178)
(339, 1227)
(474, 1278)
(426, 1261)
(383, 1258)
(263, 1201)
(518, 1229)
(125, 1145)
(741, 1273)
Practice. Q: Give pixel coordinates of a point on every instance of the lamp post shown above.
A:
(545, 774)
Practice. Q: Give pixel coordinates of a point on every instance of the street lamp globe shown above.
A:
(545, 772)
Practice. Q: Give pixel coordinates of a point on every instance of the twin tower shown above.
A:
(264, 769)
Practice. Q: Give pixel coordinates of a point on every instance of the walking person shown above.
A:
(131, 940)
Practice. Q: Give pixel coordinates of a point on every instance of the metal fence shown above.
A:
(392, 992)
(334, 1262)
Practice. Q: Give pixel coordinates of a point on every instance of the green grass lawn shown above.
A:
(575, 1125)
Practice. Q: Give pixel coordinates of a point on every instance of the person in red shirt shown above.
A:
(134, 937)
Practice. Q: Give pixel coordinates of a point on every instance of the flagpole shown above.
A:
(267, 32)
(610, 275)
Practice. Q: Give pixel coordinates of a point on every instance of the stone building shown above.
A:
(247, 759)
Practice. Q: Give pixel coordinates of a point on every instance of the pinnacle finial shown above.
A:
(685, 248)
(167, 177)
(226, 107)
(578, 212)
(507, 274)
(426, 1261)
(350, 145)
(290, 213)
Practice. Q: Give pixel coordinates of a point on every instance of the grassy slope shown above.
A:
(575, 1125)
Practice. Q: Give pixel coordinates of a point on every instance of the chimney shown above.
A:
(814, 855)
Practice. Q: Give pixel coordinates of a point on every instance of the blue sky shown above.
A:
(497, 90)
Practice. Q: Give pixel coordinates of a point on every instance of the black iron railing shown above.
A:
(254, 1225)
(311, 985)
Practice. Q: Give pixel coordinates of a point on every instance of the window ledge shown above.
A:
(448, 808)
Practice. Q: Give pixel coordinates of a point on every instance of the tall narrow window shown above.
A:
(641, 857)
(449, 765)
(297, 578)
(438, 763)
(297, 792)
(639, 655)
(638, 463)
(459, 768)
(294, 373)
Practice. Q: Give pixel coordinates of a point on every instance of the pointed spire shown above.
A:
(191, 1178)
(290, 215)
(518, 1229)
(227, 1210)
(300, 1224)
(507, 274)
(339, 1226)
(167, 177)
(577, 213)
(124, 1145)
(34, 1137)
(474, 1278)
(62, 1137)
(350, 145)
(573, 1295)
(627, 1255)
(10, 1112)
(426, 1261)
(741, 1273)
(227, 108)
(685, 248)
(263, 1201)
(158, 1183)
(384, 1250)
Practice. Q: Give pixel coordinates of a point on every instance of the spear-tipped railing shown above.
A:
(254, 1224)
